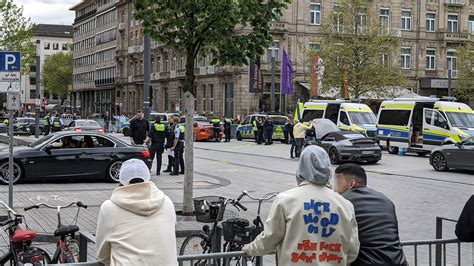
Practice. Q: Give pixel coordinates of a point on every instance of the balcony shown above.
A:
(278, 26)
(135, 49)
(455, 37)
(455, 2)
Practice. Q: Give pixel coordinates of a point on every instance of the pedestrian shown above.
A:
(216, 127)
(294, 146)
(157, 137)
(122, 119)
(269, 129)
(286, 130)
(106, 121)
(260, 130)
(113, 122)
(56, 122)
(169, 143)
(138, 129)
(227, 128)
(178, 148)
(47, 124)
(299, 132)
(309, 224)
(465, 225)
(376, 218)
(136, 226)
(255, 129)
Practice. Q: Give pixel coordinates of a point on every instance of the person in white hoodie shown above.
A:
(137, 225)
(310, 224)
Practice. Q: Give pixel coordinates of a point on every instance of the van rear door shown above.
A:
(435, 128)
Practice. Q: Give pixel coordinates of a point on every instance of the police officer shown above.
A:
(178, 147)
(56, 123)
(255, 129)
(157, 136)
(268, 127)
(260, 131)
(216, 126)
(227, 129)
(169, 143)
(47, 124)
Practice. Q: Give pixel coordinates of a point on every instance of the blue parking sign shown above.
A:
(10, 61)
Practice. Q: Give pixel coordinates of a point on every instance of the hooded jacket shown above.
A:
(310, 224)
(137, 227)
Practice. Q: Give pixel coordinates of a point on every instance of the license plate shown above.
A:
(367, 152)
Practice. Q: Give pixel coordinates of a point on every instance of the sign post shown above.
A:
(10, 75)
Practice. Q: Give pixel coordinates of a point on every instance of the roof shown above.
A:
(52, 30)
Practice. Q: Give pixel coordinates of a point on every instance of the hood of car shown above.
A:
(4, 153)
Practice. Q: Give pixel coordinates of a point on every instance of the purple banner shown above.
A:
(286, 82)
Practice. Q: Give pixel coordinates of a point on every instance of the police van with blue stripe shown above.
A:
(246, 129)
(421, 124)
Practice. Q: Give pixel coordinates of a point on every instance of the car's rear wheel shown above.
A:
(391, 149)
(113, 171)
(17, 172)
(334, 156)
(126, 132)
(439, 162)
(238, 136)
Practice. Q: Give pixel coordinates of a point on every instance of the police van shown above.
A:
(421, 124)
(245, 129)
(346, 115)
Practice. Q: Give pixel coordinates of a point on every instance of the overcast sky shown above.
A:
(48, 11)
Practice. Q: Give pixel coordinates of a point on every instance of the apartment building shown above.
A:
(52, 39)
(431, 31)
(94, 45)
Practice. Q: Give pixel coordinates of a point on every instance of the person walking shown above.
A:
(216, 127)
(299, 132)
(47, 124)
(465, 225)
(294, 146)
(56, 122)
(106, 121)
(136, 226)
(178, 147)
(138, 129)
(309, 224)
(376, 218)
(260, 130)
(157, 136)
(169, 143)
(227, 128)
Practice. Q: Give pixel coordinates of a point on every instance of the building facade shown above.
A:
(430, 32)
(52, 39)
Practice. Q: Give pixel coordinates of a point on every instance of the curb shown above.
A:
(16, 142)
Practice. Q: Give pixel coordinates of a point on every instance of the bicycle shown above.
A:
(237, 231)
(67, 247)
(20, 250)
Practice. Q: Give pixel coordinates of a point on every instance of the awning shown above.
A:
(304, 84)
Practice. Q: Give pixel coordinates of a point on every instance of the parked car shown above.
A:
(71, 155)
(342, 145)
(197, 118)
(459, 155)
(80, 125)
(27, 125)
(245, 129)
(204, 130)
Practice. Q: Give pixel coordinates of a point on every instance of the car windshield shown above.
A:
(279, 121)
(204, 123)
(462, 120)
(87, 123)
(309, 115)
(41, 141)
(361, 118)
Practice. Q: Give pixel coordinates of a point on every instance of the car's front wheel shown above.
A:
(334, 156)
(238, 136)
(439, 162)
(391, 149)
(4, 176)
(113, 171)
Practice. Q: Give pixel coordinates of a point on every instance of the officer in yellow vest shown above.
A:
(227, 129)
(216, 126)
(157, 137)
(47, 124)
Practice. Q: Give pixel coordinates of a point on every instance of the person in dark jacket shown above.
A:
(227, 128)
(294, 146)
(169, 143)
(268, 128)
(465, 225)
(157, 136)
(286, 131)
(138, 129)
(376, 218)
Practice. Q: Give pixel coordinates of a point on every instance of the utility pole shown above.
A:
(38, 82)
(272, 92)
(146, 75)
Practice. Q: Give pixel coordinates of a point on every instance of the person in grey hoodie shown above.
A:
(137, 225)
(310, 224)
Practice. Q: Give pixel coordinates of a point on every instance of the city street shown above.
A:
(419, 193)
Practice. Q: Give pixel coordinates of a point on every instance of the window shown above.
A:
(451, 62)
(204, 105)
(338, 22)
(309, 115)
(394, 117)
(64, 47)
(406, 58)
(406, 19)
(430, 21)
(344, 119)
(361, 20)
(471, 24)
(315, 14)
(452, 23)
(32, 94)
(314, 46)
(273, 50)
(32, 80)
(430, 59)
(165, 100)
(46, 45)
(384, 59)
(439, 120)
(385, 20)
(55, 46)
(211, 90)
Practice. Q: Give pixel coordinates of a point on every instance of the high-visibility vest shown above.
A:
(6, 121)
(181, 132)
(254, 125)
(47, 120)
(56, 122)
(159, 127)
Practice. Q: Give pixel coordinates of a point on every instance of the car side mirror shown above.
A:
(459, 145)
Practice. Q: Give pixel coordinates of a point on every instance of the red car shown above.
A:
(203, 130)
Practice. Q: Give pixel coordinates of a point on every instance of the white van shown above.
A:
(420, 124)
(351, 116)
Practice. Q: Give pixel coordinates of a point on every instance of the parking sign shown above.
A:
(10, 61)
(10, 75)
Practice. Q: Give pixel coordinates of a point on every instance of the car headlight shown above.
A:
(346, 144)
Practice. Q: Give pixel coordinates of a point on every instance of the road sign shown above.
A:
(13, 102)
(10, 61)
(9, 76)
(13, 87)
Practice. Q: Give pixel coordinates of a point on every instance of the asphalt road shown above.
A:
(420, 194)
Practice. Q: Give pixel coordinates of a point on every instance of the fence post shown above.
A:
(439, 235)
(82, 248)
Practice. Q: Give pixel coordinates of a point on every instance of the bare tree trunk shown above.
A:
(188, 150)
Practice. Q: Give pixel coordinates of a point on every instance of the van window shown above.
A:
(361, 118)
(309, 115)
(440, 121)
(344, 119)
(394, 117)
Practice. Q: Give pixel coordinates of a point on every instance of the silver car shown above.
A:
(459, 156)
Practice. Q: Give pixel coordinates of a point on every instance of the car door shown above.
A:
(435, 128)
(96, 159)
(343, 121)
(461, 155)
(246, 129)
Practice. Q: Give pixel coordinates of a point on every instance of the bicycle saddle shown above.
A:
(66, 230)
(23, 236)
(241, 222)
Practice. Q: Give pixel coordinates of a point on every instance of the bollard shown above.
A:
(439, 235)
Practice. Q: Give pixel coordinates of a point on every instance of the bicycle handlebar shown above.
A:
(77, 203)
(265, 197)
(9, 209)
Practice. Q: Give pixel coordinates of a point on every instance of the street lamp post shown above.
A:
(272, 92)
(38, 93)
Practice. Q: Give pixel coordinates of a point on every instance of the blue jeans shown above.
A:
(294, 147)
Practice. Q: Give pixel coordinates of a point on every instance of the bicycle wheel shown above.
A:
(194, 244)
(35, 256)
(237, 261)
(71, 251)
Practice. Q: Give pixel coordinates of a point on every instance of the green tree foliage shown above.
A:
(15, 32)
(358, 48)
(57, 74)
(231, 30)
(465, 72)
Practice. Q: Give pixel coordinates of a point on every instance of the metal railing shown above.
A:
(438, 243)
